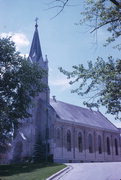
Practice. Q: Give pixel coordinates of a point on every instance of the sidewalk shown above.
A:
(90, 171)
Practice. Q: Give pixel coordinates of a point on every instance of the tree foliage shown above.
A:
(102, 80)
(100, 13)
(39, 151)
(97, 13)
(20, 81)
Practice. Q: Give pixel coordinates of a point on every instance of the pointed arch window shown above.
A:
(68, 140)
(108, 146)
(90, 143)
(116, 147)
(99, 144)
(80, 142)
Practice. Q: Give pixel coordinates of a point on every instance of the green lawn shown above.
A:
(28, 171)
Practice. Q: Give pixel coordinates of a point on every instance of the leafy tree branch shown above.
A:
(101, 80)
(99, 13)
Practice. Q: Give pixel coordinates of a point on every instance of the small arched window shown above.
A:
(68, 140)
(80, 143)
(116, 147)
(90, 143)
(108, 146)
(99, 145)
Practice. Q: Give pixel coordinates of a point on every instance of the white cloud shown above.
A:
(20, 39)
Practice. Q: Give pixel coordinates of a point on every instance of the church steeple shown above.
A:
(35, 52)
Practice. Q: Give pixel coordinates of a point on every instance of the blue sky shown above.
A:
(64, 42)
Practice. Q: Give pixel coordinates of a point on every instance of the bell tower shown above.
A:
(40, 111)
(35, 56)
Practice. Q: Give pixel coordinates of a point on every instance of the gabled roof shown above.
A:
(83, 116)
(35, 52)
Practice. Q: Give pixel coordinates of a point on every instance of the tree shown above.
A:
(39, 151)
(102, 79)
(103, 13)
(20, 82)
(98, 13)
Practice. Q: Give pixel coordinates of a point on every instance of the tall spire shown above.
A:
(35, 52)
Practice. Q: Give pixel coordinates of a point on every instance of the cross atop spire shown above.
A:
(36, 20)
(35, 51)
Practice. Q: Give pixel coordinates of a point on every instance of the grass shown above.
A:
(29, 171)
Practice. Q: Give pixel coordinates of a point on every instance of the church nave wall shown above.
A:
(74, 143)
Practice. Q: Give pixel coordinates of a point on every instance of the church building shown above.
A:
(69, 133)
